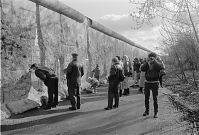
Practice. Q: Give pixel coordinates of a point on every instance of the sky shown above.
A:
(114, 14)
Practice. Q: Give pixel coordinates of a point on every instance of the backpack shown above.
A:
(121, 76)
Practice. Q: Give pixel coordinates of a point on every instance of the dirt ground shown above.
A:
(92, 119)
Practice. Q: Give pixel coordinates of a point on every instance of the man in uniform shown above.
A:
(74, 72)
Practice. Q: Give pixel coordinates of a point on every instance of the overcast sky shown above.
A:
(114, 14)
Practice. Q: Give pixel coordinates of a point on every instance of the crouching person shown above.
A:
(94, 84)
(50, 80)
(116, 76)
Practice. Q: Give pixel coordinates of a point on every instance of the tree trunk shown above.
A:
(192, 24)
(194, 77)
(40, 38)
(181, 68)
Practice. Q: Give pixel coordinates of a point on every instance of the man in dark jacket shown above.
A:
(74, 72)
(49, 78)
(151, 69)
(116, 76)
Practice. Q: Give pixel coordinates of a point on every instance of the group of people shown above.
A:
(73, 72)
(152, 70)
(139, 75)
(120, 72)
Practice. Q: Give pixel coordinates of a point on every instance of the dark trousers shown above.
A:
(52, 85)
(154, 88)
(113, 94)
(160, 79)
(74, 96)
(97, 77)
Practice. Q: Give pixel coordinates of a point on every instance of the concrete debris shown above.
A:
(21, 106)
(5, 113)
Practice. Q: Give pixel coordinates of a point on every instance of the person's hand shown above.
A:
(151, 59)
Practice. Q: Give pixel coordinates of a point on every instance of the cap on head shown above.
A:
(74, 55)
(118, 57)
(115, 60)
(33, 66)
(152, 54)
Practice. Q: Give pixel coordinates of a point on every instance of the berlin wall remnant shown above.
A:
(61, 8)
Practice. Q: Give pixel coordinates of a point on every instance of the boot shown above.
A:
(127, 91)
(155, 115)
(120, 93)
(146, 113)
(140, 90)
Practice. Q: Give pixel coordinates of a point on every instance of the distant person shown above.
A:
(49, 78)
(74, 72)
(94, 84)
(152, 69)
(127, 72)
(136, 68)
(142, 77)
(162, 72)
(115, 77)
(121, 84)
(96, 72)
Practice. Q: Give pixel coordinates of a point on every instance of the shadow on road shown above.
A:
(101, 95)
(112, 126)
(49, 120)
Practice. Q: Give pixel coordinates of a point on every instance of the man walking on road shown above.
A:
(152, 69)
(74, 72)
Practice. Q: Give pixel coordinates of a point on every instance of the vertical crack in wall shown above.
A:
(88, 53)
(40, 38)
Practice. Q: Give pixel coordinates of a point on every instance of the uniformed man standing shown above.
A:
(74, 72)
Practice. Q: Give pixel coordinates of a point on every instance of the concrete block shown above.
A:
(21, 106)
(5, 113)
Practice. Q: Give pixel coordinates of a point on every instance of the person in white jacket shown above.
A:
(142, 78)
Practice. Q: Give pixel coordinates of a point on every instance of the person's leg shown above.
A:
(155, 101)
(120, 89)
(110, 100)
(147, 95)
(120, 93)
(140, 89)
(116, 96)
(50, 86)
(78, 97)
(71, 92)
(135, 77)
(125, 82)
(55, 101)
(160, 79)
(128, 92)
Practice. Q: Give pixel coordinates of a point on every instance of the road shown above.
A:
(92, 119)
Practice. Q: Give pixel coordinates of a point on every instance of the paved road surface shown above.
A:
(92, 119)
